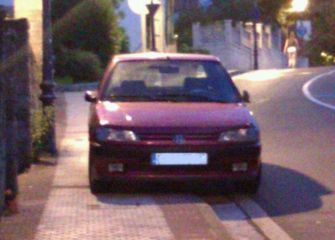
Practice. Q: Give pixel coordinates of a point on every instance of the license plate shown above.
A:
(176, 159)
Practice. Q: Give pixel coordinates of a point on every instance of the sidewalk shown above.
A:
(34, 187)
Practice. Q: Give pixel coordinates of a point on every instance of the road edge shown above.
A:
(306, 90)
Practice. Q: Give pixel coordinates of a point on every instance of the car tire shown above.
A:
(250, 186)
(96, 186)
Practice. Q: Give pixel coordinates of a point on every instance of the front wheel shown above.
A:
(250, 186)
(96, 186)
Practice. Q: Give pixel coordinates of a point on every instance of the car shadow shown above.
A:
(283, 191)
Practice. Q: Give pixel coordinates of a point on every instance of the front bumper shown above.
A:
(136, 162)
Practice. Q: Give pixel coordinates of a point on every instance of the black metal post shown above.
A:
(254, 27)
(2, 120)
(48, 85)
(152, 7)
(256, 16)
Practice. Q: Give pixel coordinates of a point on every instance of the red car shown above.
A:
(160, 116)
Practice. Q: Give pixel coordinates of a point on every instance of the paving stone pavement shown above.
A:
(72, 212)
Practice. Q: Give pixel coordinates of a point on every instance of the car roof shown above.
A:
(164, 56)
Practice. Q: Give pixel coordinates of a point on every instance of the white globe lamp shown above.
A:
(140, 6)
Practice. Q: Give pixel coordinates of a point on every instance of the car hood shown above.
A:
(173, 115)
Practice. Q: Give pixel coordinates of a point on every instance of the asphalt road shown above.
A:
(298, 184)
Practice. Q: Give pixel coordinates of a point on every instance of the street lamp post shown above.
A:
(153, 7)
(47, 86)
(147, 8)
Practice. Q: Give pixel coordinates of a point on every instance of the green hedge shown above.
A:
(81, 66)
(184, 48)
(41, 122)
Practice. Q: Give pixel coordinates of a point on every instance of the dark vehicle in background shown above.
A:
(160, 116)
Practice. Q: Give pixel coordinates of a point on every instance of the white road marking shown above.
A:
(236, 222)
(308, 94)
(261, 219)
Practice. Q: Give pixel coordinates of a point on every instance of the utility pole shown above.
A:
(48, 85)
(256, 15)
(153, 7)
(254, 29)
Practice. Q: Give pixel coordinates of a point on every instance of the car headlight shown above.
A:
(241, 135)
(109, 134)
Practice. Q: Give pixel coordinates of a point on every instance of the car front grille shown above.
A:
(171, 137)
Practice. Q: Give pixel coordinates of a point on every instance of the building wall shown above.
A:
(160, 27)
(135, 26)
(233, 44)
(32, 11)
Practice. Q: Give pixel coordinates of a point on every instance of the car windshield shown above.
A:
(168, 80)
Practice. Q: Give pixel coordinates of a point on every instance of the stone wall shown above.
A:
(233, 44)
(15, 105)
(18, 74)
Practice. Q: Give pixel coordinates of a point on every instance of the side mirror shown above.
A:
(246, 96)
(91, 96)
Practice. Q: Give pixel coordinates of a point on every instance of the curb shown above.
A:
(76, 87)
(235, 72)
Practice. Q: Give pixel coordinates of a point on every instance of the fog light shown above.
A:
(240, 167)
(115, 167)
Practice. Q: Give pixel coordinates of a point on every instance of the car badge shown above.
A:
(179, 139)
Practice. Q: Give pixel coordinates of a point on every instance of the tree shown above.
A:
(86, 35)
(323, 22)
(90, 25)
(239, 10)
(183, 27)
(271, 11)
